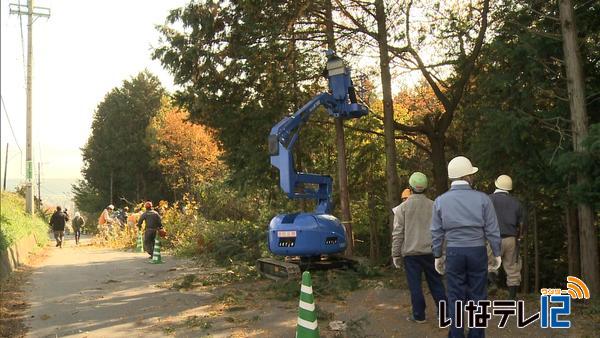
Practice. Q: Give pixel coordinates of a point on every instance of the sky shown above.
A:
(81, 52)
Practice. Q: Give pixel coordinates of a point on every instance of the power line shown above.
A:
(12, 157)
(10, 124)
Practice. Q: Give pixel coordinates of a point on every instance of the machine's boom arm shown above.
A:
(340, 102)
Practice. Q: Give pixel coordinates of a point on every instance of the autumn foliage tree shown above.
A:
(187, 154)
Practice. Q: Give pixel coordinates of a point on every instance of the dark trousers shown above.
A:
(415, 266)
(77, 232)
(466, 271)
(149, 237)
(58, 236)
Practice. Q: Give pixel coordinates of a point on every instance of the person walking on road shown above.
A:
(153, 224)
(67, 219)
(57, 222)
(509, 213)
(105, 220)
(463, 219)
(78, 222)
(411, 242)
(123, 216)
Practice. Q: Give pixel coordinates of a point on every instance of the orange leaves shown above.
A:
(187, 153)
(415, 104)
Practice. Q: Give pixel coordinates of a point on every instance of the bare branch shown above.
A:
(415, 142)
(461, 84)
(359, 25)
(346, 126)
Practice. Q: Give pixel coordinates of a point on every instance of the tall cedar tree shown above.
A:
(117, 144)
(233, 62)
(517, 122)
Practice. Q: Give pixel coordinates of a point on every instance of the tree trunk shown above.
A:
(343, 181)
(340, 143)
(373, 233)
(536, 252)
(393, 196)
(137, 188)
(111, 187)
(438, 158)
(572, 241)
(144, 194)
(590, 268)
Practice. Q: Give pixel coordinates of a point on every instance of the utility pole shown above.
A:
(39, 204)
(29, 11)
(111, 187)
(5, 167)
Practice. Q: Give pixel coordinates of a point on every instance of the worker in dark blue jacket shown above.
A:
(510, 214)
(464, 219)
(58, 221)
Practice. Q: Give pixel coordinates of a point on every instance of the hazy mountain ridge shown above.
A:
(55, 191)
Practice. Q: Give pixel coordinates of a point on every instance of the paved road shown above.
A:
(94, 292)
(83, 291)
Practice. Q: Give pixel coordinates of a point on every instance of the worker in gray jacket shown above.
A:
(464, 219)
(411, 241)
(153, 224)
(509, 212)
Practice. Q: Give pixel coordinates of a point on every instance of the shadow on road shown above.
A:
(85, 289)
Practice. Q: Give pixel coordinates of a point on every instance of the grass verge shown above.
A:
(16, 224)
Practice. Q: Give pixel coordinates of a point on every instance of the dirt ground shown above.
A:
(85, 291)
(13, 306)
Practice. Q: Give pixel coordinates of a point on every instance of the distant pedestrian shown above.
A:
(132, 218)
(411, 241)
(67, 219)
(464, 219)
(105, 221)
(153, 224)
(123, 216)
(78, 222)
(509, 212)
(405, 194)
(57, 222)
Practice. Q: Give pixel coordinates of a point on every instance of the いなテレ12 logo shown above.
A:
(556, 303)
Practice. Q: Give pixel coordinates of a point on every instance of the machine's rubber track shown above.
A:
(292, 268)
(326, 263)
(276, 269)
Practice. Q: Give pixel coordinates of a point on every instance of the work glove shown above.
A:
(439, 264)
(397, 261)
(497, 262)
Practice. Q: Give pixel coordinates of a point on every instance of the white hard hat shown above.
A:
(77, 214)
(504, 182)
(460, 166)
(110, 206)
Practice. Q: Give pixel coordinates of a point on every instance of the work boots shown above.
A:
(512, 292)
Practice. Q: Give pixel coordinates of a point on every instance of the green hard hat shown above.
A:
(418, 181)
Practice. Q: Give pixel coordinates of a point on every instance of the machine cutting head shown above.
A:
(306, 235)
